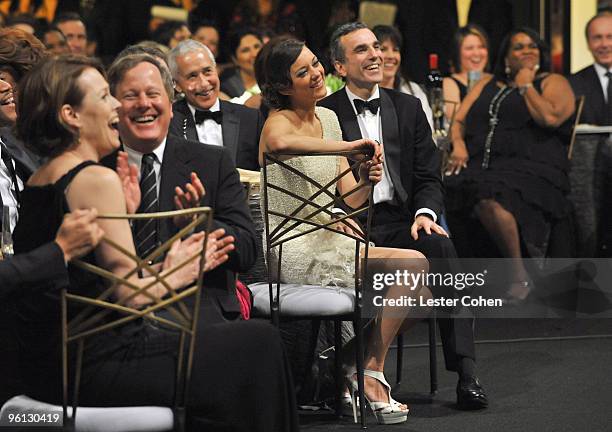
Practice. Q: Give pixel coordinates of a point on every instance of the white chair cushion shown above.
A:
(111, 419)
(304, 300)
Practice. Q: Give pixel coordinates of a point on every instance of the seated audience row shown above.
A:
(507, 170)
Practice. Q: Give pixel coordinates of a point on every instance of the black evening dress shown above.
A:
(463, 90)
(240, 379)
(527, 168)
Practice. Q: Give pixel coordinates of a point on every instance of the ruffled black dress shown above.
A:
(527, 171)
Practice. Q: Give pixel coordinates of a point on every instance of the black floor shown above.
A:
(540, 375)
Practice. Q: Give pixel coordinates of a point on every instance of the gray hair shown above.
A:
(117, 71)
(335, 46)
(185, 47)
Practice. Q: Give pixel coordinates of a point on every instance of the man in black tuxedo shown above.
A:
(201, 116)
(143, 87)
(594, 82)
(16, 165)
(409, 198)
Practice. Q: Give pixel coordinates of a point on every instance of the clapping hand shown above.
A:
(190, 197)
(128, 174)
(180, 251)
(218, 248)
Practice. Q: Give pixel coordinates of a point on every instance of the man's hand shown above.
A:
(425, 223)
(128, 174)
(188, 198)
(218, 247)
(371, 171)
(79, 233)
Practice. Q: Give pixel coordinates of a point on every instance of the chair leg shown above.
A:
(338, 375)
(179, 419)
(399, 360)
(313, 365)
(359, 365)
(433, 367)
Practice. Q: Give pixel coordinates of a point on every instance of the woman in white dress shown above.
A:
(292, 81)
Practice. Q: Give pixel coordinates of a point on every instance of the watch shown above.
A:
(523, 89)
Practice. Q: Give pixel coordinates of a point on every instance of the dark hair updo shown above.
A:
(272, 70)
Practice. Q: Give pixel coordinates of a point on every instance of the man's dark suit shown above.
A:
(225, 195)
(45, 263)
(414, 168)
(595, 111)
(25, 163)
(241, 128)
(585, 82)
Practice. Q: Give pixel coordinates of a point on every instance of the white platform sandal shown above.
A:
(385, 413)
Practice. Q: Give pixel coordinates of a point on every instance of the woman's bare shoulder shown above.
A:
(96, 182)
(281, 121)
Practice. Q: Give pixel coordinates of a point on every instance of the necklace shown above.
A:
(494, 106)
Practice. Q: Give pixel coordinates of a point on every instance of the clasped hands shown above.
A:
(218, 245)
(370, 171)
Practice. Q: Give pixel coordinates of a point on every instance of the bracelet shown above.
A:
(523, 88)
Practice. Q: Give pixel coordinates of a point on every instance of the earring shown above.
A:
(507, 70)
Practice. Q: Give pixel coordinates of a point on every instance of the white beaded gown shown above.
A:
(321, 257)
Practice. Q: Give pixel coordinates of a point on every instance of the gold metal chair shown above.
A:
(101, 314)
(304, 216)
(579, 107)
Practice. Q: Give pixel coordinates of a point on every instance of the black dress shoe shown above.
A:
(471, 395)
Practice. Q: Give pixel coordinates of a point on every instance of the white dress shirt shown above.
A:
(8, 192)
(603, 79)
(135, 157)
(371, 127)
(209, 131)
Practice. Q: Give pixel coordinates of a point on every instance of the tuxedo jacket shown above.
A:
(241, 128)
(231, 83)
(224, 194)
(25, 163)
(45, 263)
(409, 151)
(585, 82)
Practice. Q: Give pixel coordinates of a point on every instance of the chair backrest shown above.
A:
(100, 314)
(251, 180)
(312, 212)
(579, 108)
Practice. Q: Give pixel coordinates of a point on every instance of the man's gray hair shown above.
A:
(335, 46)
(183, 48)
(116, 71)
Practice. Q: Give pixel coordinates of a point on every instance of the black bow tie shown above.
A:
(200, 116)
(372, 105)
